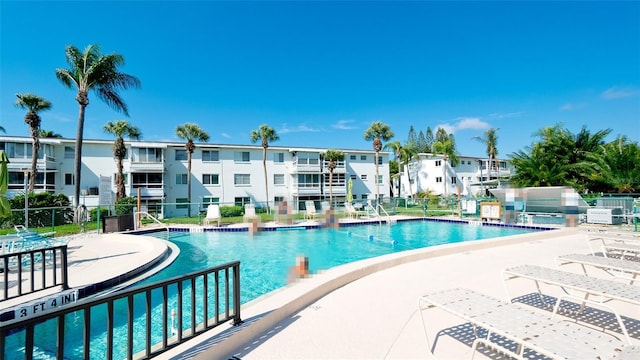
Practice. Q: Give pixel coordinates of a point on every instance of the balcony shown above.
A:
(304, 189)
(155, 192)
(155, 167)
(340, 167)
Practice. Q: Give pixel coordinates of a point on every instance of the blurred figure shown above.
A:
(300, 270)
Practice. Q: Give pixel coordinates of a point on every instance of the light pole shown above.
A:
(26, 200)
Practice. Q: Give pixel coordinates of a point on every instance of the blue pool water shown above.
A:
(265, 258)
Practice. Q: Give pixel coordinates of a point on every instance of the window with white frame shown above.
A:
(363, 177)
(241, 156)
(206, 200)
(69, 152)
(182, 203)
(240, 201)
(147, 155)
(68, 179)
(125, 178)
(210, 155)
(242, 179)
(438, 179)
(454, 180)
(379, 160)
(379, 179)
(352, 157)
(365, 196)
(278, 157)
(363, 157)
(438, 162)
(181, 179)
(210, 179)
(181, 155)
(278, 179)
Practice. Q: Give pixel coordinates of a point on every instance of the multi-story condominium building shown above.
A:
(472, 175)
(224, 174)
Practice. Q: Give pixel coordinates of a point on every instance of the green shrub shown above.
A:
(229, 211)
(45, 209)
(126, 205)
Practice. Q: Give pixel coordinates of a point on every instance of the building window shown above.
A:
(210, 155)
(308, 158)
(363, 177)
(181, 155)
(278, 199)
(379, 160)
(240, 201)
(438, 162)
(206, 200)
(365, 196)
(69, 152)
(241, 156)
(379, 179)
(210, 179)
(278, 179)
(353, 177)
(147, 155)
(438, 179)
(308, 180)
(182, 203)
(68, 179)
(278, 157)
(352, 157)
(363, 157)
(148, 180)
(454, 180)
(181, 179)
(242, 179)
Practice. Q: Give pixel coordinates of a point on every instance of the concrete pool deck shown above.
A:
(363, 310)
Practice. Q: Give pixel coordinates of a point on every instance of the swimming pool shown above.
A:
(265, 259)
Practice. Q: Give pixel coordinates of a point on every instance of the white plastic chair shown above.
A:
(213, 214)
(249, 212)
(310, 209)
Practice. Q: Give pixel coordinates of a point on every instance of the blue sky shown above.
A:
(321, 72)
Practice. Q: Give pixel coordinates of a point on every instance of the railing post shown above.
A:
(237, 320)
(65, 272)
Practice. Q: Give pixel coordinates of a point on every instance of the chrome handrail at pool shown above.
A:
(135, 223)
(219, 285)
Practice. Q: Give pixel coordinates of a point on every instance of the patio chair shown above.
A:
(529, 329)
(351, 210)
(213, 214)
(581, 288)
(618, 268)
(310, 210)
(249, 213)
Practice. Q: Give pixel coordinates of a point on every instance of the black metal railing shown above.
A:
(149, 319)
(28, 271)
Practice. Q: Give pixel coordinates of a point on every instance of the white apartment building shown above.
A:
(472, 176)
(224, 174)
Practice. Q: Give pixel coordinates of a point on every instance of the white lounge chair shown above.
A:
(351, 210)
(578, 287)
(525, 326)
(623, 269)
(213, 214)
(249, 213)
(310, 209)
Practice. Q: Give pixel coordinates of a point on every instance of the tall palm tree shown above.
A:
(91, 70)
(2, 129)
(189, 132)
(408, 153)
(395, 147)
(378, 131)
(490, 140)
(120, 129)
(266, 134)
(33, 104)
(445, 144)
(48, 134)
(332, 156)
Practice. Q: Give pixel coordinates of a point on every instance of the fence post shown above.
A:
(237, 320)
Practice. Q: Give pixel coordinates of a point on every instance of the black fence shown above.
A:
(150, 319)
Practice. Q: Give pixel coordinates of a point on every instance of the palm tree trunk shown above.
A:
(189, 183)
(266, 182)
(34, 159)
(120, 193)
(377, 176)
(330, 187)
(78, 160)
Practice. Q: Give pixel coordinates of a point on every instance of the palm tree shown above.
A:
(91, 70)
(408, 153)
(34, 104)
(49, 134)
(445, 144)
(2, 129)
(490, 140)
(120, 129)
(332, 156)
(266, 134)
(189, 132)
(395, 147)
(378, 131)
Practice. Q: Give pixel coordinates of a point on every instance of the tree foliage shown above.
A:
(583, 161)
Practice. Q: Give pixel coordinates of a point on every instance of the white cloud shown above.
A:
(225, 135)
(567, 107)
(344, 125)
(618, 92)
(572, 106)
(300, 128)
(465, 124)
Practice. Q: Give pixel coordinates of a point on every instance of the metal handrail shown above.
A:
(135, 223)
